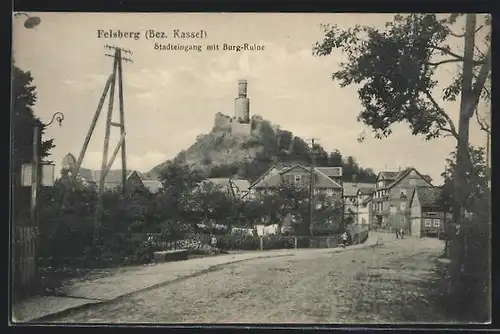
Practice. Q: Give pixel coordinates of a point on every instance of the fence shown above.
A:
(139, 247)
(247, 242)
(23, 257)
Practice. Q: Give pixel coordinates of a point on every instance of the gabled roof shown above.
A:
(428, 196)
(351, 188)
(153, 186)
(234, 186)
(266, 173)
(387, 176)
(274, 181)
(329, 171)
(239, 184)
(113, 176)
(406, 172)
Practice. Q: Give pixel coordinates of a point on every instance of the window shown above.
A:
(403, 192)
(403, 206)
(428, 222)
(393, 209)
(329, 191)
(403, 219)
(436, 222)
(363, 221)
(297, 178)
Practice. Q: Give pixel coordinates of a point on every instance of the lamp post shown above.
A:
(35, 168)
(35, 176)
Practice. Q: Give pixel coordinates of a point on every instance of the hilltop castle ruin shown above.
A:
(239, 125)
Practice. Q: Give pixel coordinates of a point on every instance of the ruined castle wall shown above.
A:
(240, 129)
(222, 122)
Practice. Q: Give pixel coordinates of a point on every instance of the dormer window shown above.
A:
(403, 193)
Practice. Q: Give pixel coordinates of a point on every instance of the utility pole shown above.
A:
(117, 73)
(311, 186)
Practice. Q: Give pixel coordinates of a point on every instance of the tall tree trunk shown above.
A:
(463, 159)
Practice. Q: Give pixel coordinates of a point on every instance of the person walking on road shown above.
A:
(213, 241)
(401, 233)
(397, 233)
(344, 239)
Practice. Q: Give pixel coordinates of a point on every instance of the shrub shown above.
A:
(278, 242)
(238, 242)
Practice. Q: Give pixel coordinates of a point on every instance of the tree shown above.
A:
(213, 202)
(474, 261)
(395, 70)
(178, 182)
(478, 198)
(335, 159)
(23, 120)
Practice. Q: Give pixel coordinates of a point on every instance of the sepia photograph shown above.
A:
(250, 168)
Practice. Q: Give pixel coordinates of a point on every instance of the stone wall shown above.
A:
(240, 129)
(222, 122)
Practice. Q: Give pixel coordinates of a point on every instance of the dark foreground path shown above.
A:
(386, 284)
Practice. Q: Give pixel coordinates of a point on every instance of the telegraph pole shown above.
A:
(117, 73)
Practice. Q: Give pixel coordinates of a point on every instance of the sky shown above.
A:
(170, 97)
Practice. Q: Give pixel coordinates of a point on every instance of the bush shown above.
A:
(279, 242)
(238, 242)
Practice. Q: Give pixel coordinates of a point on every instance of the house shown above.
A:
(350, 197)
(297, 175)
(154, 186)
(391, 198)
(334, 173)
(365, 209)
(234, 187)
(113, 178)
(426, 216)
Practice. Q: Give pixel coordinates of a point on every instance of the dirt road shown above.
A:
(385, 284)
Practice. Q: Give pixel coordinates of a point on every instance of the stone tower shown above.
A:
(242, 104)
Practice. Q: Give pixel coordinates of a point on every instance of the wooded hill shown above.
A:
(220, 154)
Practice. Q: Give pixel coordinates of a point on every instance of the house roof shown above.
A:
(387, 176)
(428, 196)
(330, 171)
(113, 176)
(236, 186)
(274, 181)
(351, 188)
(69, 160)
(274, 168)
(153, 185)
(240, 184)
(402, 174)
